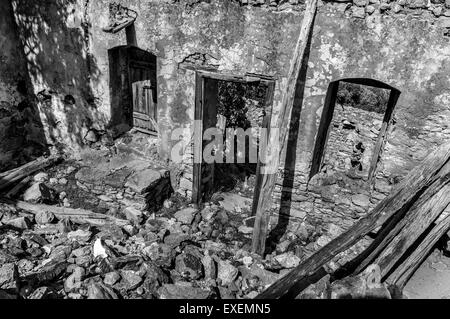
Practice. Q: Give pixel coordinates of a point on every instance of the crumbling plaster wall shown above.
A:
(401, 43)
(403, 50)
(56, 41)
(19, 123)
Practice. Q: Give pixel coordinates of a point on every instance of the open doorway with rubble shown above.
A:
(352, 132)
(229, 103)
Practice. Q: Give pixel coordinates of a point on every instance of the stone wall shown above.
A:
(352, 139)
(402, 43)
(20, 128)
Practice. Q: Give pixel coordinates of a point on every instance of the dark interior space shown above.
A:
(243, 106)
(231, 104)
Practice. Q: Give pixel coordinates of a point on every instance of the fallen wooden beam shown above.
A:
(18, 187)
(402, 233)
(9, 178)
(76, 215)
(400, 276)
(402, 198)
(415, 227)
(268, 179)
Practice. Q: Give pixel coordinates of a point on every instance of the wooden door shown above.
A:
(144, 99)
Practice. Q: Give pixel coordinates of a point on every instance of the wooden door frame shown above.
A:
(200, 76)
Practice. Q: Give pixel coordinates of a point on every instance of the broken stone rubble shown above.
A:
(168, 249)
(165, 257)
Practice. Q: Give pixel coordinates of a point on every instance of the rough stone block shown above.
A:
(186, 216)
(9, 276)
(141, 181)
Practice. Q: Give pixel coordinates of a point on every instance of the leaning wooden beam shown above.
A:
(268, 180)
(18, 187)
(7, 179)
(403, 273)
(76, 215)
(402, 197)
(29, 166)
(396, 237)
(421, 218)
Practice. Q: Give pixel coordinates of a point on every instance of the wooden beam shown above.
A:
(130, 32)
(10, 178)
(401, 198)
(393, 98)
(268, 179)
(416, 225)
(403, 273)
(77, 215)
(405, 231)
(324, 128)
(18, 187)
(265, 125)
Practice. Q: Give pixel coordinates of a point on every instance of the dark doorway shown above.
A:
(230, 102)
(353, 127)
(133, 89)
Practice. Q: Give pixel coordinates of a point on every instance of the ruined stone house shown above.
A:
(72, 68)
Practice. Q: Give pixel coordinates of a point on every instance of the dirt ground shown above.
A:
(431, 280)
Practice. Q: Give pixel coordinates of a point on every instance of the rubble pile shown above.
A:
(176, 251)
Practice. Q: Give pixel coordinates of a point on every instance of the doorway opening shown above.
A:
(353, 127)
(133, 89)
(228, 103)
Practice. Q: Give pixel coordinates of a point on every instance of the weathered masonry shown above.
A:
(400, 46)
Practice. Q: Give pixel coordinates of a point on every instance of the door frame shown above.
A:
(121, 58)
(200, 77)
(327, 117)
